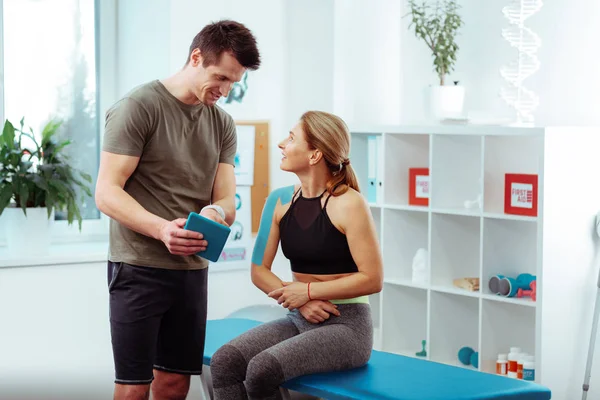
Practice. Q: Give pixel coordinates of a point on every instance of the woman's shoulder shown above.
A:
(350, 199)
(347, 205)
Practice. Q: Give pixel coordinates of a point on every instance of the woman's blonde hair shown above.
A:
(329, 134)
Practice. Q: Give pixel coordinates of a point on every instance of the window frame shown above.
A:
(105, 17)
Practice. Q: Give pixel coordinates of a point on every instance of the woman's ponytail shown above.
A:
(343, 179)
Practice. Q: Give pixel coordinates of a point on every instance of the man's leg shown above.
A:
(180, 348)
(138, 298)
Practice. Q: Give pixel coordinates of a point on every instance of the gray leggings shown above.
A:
(256, 363)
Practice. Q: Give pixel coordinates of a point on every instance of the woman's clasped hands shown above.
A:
(295, 295)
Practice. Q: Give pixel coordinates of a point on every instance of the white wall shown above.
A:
(55, 335)
(567, 82)
(309, 59)
(143, 32)
(367, 63)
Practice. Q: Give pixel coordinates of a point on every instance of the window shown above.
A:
(51, 69)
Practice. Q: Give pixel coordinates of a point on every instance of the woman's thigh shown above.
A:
(333, 347)
(244, 347)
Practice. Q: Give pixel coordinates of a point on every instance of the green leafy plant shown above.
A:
(437, 24)
(38, 174)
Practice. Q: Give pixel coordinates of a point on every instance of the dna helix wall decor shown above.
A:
(527, 43)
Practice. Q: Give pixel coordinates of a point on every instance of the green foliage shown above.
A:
(438, 26)
(39, 175)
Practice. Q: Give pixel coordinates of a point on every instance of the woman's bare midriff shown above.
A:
(318, 278)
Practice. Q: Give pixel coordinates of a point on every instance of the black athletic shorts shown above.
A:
(157, 321)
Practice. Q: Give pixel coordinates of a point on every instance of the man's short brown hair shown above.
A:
(226, 36)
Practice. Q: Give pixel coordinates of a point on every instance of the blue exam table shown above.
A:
(390, 376)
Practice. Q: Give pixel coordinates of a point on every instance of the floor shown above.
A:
(94, 384)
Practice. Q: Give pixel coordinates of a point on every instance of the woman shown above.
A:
(327, 232)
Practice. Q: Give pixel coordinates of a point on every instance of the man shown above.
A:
(168, 150)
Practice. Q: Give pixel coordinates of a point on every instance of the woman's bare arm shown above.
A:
(267, 240)
(359, 227)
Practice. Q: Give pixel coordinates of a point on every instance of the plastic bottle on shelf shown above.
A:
(520, 361)
(501, 364)
(529, 369)
(513, 358)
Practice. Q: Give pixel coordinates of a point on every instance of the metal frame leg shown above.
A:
(594, 333)
(590, 356)
(205, 391)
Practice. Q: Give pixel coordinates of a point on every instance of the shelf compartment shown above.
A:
(407, 283)
(404, 233)
(455, 249)
(508, 154)
(509, 249)
(456, 171)
(454, 324)
(405, 151)
(404, 319)
(503, 326)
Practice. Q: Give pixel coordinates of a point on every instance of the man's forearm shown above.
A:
(228, 206)
(355, 285)
(120, 206)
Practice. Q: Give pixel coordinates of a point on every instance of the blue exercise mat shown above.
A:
(390, 376)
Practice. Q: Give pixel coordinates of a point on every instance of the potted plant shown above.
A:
(437, 25)
(35, 180)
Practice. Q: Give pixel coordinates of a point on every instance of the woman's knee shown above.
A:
(264, 375)
(227, 365)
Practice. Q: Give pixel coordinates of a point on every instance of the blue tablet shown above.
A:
(214, 233)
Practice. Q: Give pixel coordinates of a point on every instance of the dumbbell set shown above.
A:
(524, 285)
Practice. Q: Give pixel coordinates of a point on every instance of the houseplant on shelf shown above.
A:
(35, 180)
(437, 23)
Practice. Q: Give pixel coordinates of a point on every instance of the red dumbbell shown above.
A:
(532, 292)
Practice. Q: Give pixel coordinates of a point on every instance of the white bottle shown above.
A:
(513, 358)
(501, 365)
(529, 368)
(520, 361)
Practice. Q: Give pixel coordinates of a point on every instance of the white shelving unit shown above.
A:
(466, 162)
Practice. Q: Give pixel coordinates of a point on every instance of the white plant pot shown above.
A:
(27, 235)
(446, 102)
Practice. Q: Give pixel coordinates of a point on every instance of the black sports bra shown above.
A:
(310, 240)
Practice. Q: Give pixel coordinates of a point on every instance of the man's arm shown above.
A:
(224, 187)
(223, 194)
(112, 200)
(116, 203)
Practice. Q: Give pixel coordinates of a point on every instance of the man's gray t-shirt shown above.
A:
(180, 147)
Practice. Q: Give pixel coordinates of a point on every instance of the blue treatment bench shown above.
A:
(389, 376)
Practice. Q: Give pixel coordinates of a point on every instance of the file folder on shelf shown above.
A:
(372, 143)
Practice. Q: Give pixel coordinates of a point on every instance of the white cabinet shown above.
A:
(465, 238)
